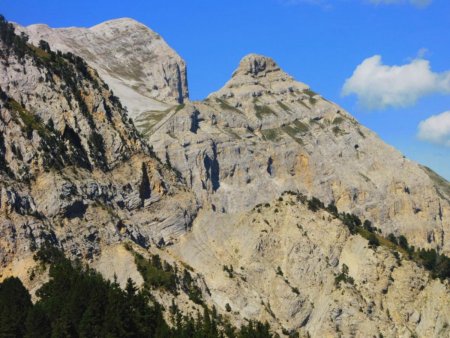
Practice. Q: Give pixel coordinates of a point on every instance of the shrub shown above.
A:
(368, 226)
(314, 204)
(229, 270)
(332, 209)
(403, 242)
(144, 188)
(392, 238)
(155, 274)
(373, 241)
(279, 271)
(97, 146)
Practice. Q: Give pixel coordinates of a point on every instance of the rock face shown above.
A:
(303, 272)
(209, 195)
(134, 61)
(73, 170)
(265, 133)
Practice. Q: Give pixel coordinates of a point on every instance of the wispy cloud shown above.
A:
(379, 86)
(436, 129)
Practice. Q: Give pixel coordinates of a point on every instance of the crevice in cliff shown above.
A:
(212, 168)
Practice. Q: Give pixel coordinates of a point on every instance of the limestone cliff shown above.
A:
(133, 60)
(304, 272)
(265, 133)
(73, 170)
(209, 194)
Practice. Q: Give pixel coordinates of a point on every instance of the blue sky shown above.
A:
(319, 42)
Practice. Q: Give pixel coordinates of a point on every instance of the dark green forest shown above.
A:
(79, 302)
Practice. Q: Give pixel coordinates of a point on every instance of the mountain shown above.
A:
(262, 202)
(135, 62)
(73, 168)
(264, 133)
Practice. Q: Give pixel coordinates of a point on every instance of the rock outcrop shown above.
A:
(265, 133)
(210, 195)
(302, 271)
(73, 169)
(134, 61)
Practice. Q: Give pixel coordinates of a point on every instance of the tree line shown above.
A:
(79, 302)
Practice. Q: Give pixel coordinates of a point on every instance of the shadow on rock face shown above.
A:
(76, 210)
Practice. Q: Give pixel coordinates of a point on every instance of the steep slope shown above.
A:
(303, 271)
(75, 173)
(133, 60)
(265, 133)
(73, 170)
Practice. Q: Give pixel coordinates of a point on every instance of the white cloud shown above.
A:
(379, 86)
(436, 129)
(418, 3)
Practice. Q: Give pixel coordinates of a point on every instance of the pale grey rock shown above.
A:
(260, 135)
(264, 133)
(134, 61)
(72, 167)
(284, 261)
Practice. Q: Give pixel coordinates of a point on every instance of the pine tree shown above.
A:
(15, 302)
(144, 188)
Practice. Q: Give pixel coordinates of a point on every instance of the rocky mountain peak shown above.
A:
(116, 27)
(256, 65)
(120, 22)
(258, 75)
(135, 62)
(283, 208)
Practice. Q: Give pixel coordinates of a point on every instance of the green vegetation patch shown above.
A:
(40, 53)
(300, 127)
(309, 92)
(232, 133)
(283, 106)
(338, 120)
(272, 134)
(156, 273)
(343, 277)
(442, 185)
(293, 133)
(262, 111)
(304, 104)
(30, 122)
(295, 130)
(51, 147)
(227, 107)
(159, 274)
(338, 131)
(312, 101)
(145, 123)
(179, 107)
(78, 302)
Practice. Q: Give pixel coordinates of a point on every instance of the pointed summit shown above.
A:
(256, 65)
(257, 75)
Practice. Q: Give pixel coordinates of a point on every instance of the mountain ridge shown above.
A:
(144, 86)
(266, 133)
(256, 190)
